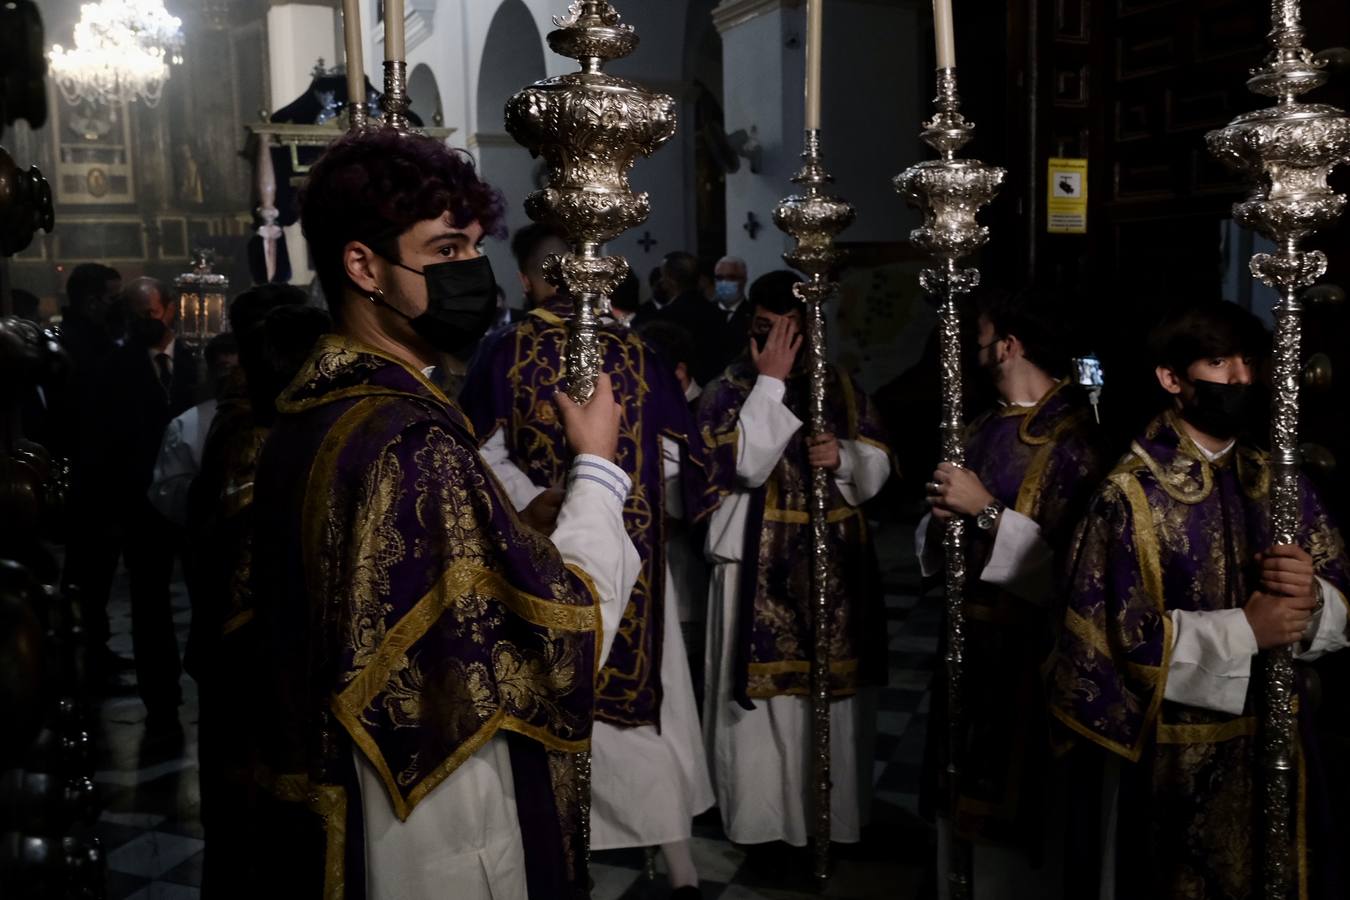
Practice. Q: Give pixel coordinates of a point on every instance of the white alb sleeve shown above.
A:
(1021, 562)
(1211, 664)
(175, 468)
(764, 428)
(670, 478)
(1329, 630)
(520, 490)
(590, 535)
(929, 552)
(863, 470)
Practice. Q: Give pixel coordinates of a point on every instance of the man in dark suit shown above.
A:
(144, 384)
(691, 310)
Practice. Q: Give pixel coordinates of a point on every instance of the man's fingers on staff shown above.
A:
(1288, 584)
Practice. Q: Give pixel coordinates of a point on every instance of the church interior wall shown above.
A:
(138, 186)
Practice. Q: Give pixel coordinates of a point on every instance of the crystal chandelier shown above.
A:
(122, 53)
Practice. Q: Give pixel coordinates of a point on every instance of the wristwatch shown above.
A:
(988, 516)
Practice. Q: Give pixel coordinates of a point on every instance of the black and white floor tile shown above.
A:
(151, 831)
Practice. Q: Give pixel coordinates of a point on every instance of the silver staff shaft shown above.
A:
(589, 127)
(813, 219)
(1287, 151)
(950, 193)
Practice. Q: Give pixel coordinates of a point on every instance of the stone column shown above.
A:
(298, 36)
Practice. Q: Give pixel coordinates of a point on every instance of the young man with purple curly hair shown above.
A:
(429, 658)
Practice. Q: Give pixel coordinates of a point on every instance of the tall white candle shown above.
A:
(393, 29)
(946, 35)
(814, 39)
(356, 64)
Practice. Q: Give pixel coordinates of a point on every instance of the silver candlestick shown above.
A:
(950, 192)
(1288, 151)
(814, 219)
(395, 101)
(589, 127)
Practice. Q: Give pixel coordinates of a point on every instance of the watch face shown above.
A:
(985, 521)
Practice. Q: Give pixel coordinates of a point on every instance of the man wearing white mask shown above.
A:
(731, 277)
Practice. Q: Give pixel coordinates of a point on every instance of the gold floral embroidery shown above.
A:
(377, 546)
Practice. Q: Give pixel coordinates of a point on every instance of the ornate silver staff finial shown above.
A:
(1288, 151)
(814, 219)
(589, 127)
(950, 192)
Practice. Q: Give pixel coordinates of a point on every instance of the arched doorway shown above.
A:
(424, 95)
(513, 56)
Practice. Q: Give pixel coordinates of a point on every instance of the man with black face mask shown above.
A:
(427, 661)
(141, 387)
(1175, 587)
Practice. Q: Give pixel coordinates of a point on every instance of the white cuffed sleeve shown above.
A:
(863, 470)
(670, 478)
(520, 490)
(175, 467)
(929, 552)
(1021, 562)
(591, 535)
(764, 428)
(1211, 660)
(1329, 630)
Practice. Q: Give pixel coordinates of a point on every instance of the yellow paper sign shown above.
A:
(1066, 210)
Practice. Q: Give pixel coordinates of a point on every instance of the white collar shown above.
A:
(154, 353)
(1220, 454)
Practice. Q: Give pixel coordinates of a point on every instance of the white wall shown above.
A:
(458, 55)
(762, 87)
(298, 35)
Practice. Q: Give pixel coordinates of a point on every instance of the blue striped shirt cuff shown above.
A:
(603, 472)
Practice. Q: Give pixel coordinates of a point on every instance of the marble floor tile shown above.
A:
(152, 854)
(164, 890)
(717, 861)
(611, 882)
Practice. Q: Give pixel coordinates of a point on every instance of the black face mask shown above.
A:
(146, 332)
(461, 304)
(1219, 410)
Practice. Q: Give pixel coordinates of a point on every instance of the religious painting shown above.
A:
(92, 146)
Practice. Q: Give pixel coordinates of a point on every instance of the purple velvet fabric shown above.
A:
(407, 612)
(1042, 462)
(775, 643)
(511, 386)
(1172, 531)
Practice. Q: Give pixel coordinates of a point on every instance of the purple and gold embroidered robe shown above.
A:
(1171, 531)
(775, 644)
(511, 387)
(1042, 462)
(407, 612)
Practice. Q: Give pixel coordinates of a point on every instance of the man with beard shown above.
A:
(428, 660)
(1175, 587)
(757, 710)
(1031, 464)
